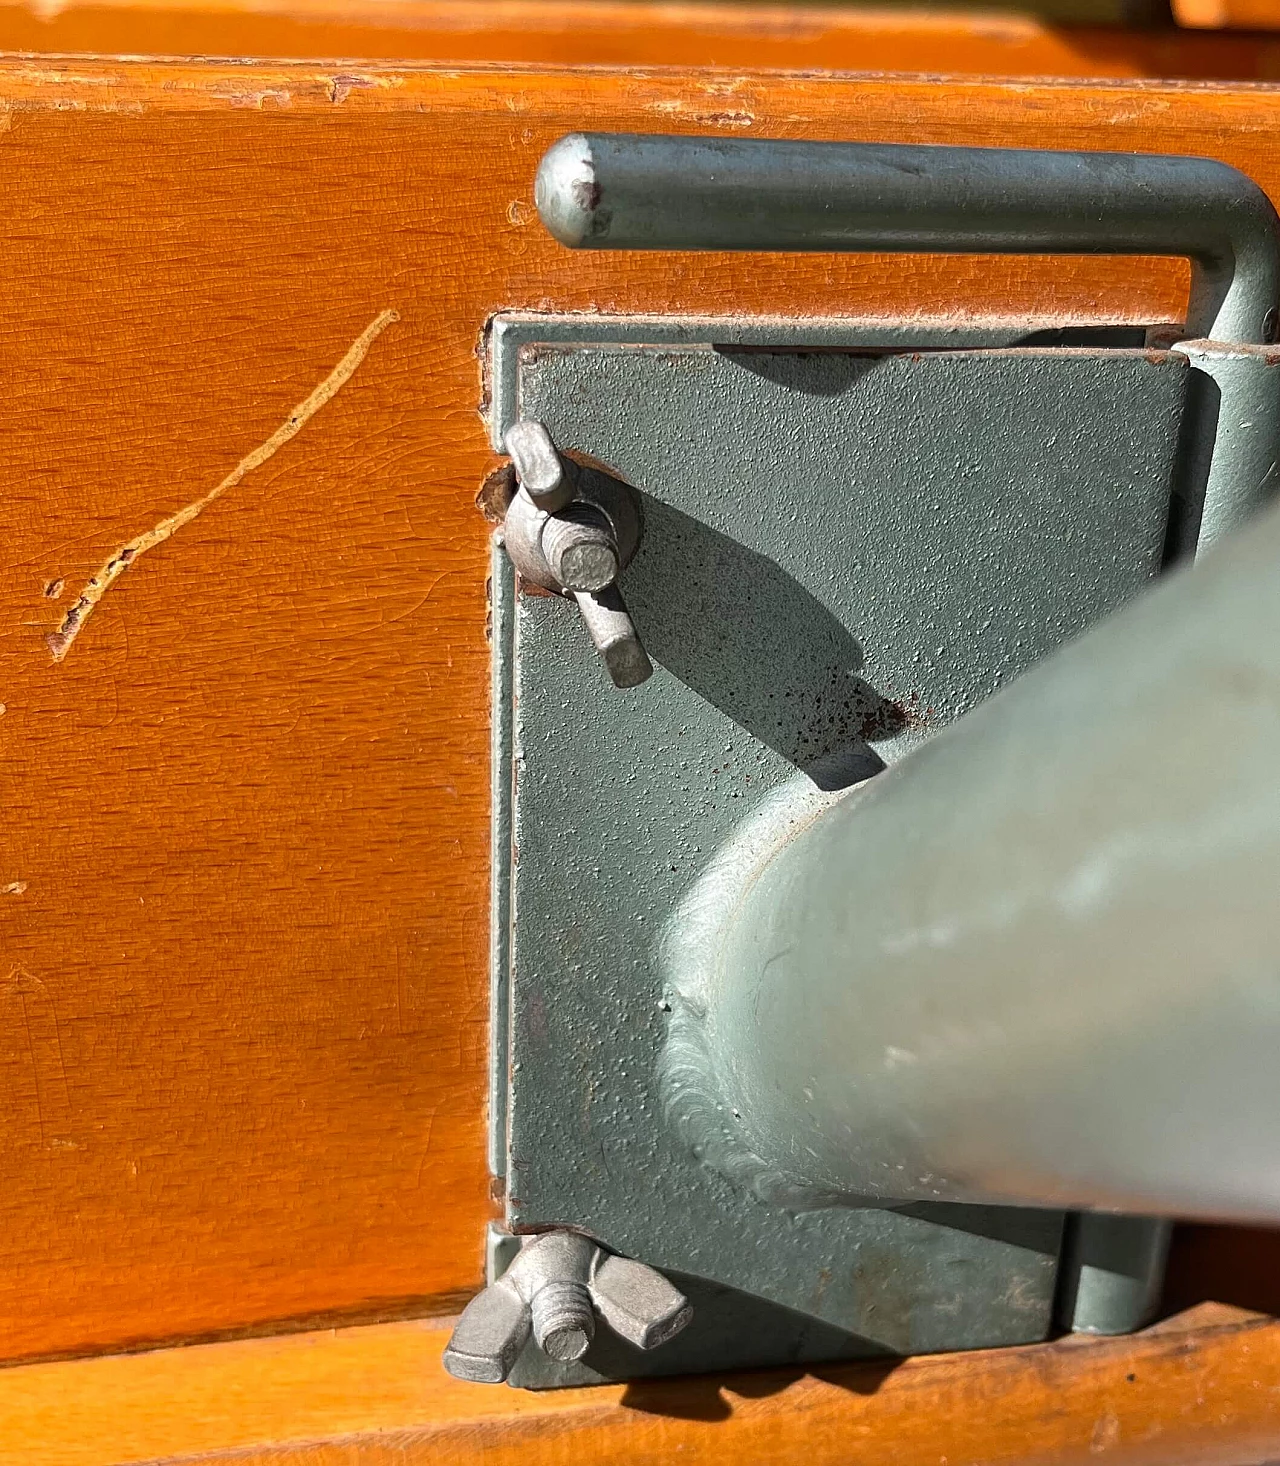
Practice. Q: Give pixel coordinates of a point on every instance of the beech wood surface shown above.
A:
(244, 871)
(1201, 1390)
(642, 33)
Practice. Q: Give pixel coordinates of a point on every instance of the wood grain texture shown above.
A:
(244, 863)
(1201, 1391)
(638, 33)
(243, 986)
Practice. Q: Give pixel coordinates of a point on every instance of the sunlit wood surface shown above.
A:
(641, 33)
(245, 858)
(1201, 1391)
(1232, 15)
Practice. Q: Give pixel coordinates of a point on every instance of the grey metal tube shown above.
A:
(620, 191)
(1039, 960)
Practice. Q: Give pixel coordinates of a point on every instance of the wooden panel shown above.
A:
(637, 34)
(378, 1397)
(1260, 15)
(1233, 1265)
(242, 968)
(245, 857)
(605, 32)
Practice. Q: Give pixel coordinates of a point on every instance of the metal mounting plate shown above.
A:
(842, 552)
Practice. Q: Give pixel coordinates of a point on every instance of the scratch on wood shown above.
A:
(14, 888)
(341, 87)
(275, 96)
(59, 642)
(50, 1091)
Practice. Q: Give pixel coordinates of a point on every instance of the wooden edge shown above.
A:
(765, 20)
(1200, 14)
(1237, 15)
(142, 84)
(648, 33)
(783, 22)
(1200, 1389)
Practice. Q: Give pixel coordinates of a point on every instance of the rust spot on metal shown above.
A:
(496, 493)
(587, 195)
(534, 352)
(598, 465)
(529, 588)
(1165, 335)
(886, 720)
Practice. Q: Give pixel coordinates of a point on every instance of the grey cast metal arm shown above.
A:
(1039, 961)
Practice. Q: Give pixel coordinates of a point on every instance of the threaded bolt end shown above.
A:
(580, 550)
(564, 1322)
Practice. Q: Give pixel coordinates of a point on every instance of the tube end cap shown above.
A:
(568, 192)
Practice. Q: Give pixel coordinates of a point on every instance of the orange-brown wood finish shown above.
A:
(245, 857)
(639, 33)
(1238, 15)
(1200, 1391)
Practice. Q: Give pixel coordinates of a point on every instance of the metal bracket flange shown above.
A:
(615, 802)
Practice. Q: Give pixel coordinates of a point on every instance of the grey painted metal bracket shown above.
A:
(502, 609)
(640, 191)
(512, 330)
(615, 806)
(604, 789)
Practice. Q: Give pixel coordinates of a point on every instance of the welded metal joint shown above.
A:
(572, 530)
(555, 1289)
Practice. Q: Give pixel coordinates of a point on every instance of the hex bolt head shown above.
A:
(580, 549)
(564, 1321)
